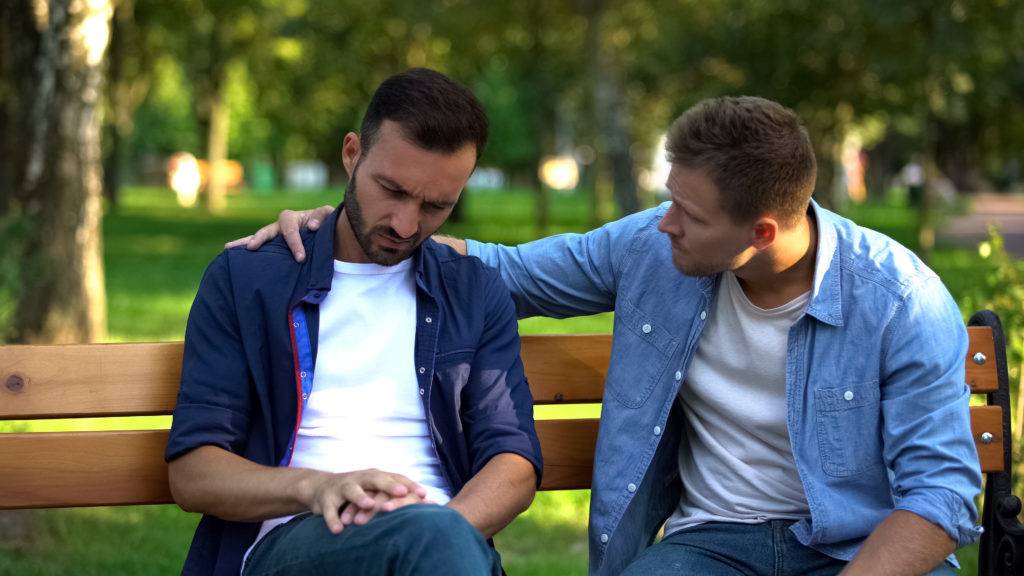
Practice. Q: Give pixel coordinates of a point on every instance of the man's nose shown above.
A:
(667, 226)
(405, 221)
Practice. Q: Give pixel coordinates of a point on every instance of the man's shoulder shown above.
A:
(248, 269)
(449, 261)
(468, 277)
(878, 258)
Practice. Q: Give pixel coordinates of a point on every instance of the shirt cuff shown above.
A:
(945, 509)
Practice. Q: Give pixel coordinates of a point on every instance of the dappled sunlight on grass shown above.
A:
(131, 540)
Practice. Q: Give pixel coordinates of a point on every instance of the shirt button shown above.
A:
(646, 328)
(422, 391)
(604, 538)
(295, 324)
(631, 487)
(679, 375)
(302, 374)
(428, 320)
(657, 430)
(848, 395)
(703, 314)
(305, 396)
(422, 369)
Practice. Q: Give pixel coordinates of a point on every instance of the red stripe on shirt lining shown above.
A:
(298, 388)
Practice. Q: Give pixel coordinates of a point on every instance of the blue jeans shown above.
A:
(421, 539)
(728, 549)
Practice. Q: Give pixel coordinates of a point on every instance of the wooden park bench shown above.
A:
(66, 469)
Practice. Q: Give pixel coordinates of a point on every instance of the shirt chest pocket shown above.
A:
(640, 354)
(848, 421)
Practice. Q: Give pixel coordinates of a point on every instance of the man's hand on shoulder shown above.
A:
(289, 223)
(455, 243)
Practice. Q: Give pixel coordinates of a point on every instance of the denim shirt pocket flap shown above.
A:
(846, 397)
(640, 353)
(848, 422)
(645, 327)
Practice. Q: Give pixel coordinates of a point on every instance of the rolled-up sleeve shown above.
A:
(497, 404)
(213, 401)
(925, 403)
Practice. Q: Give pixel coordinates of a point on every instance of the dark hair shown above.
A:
(755, 151)
(434, 112)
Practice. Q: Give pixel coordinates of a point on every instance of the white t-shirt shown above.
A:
(365, 410)
(735, 460)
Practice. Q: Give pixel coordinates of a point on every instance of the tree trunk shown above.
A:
(219, 117)
(59, 190)
(217, 148)
(610, 113)
(6, 119)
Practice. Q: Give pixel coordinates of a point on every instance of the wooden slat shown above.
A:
(566, 368)
(54, 470)
(988, 419)
(89, 380)
(568, 448)
(50, 470)
(140, 379)
(982, 378)
(58, 469)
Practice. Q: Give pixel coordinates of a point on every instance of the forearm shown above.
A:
(502, 489)
(214, 481)
(904, 543)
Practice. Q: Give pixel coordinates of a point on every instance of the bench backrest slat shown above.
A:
(106, 468)
(142, 379)
(58, 469)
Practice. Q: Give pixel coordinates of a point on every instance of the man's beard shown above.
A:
(381, 255)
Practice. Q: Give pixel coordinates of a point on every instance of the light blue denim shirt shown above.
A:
(877, 403)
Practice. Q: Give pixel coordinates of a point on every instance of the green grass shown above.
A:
(155, 254)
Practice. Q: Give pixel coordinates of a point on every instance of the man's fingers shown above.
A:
(363, 516)
(348, 513)
(354, 494)
(329, 509)
(290, 222)
(317, 216)
(262, 236)
(238, 242)
(396, 485)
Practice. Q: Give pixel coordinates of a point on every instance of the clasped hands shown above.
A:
(350, 498)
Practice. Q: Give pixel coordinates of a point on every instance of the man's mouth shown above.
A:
(391, 242)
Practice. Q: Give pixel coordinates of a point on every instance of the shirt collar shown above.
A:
(826, 292)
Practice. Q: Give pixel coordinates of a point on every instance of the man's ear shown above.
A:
(351, 150)
(765, 231)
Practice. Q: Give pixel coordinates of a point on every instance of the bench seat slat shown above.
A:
(59, 469)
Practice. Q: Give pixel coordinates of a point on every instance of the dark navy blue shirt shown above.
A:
(250, 350)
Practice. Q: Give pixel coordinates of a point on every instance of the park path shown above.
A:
(1006, 211)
